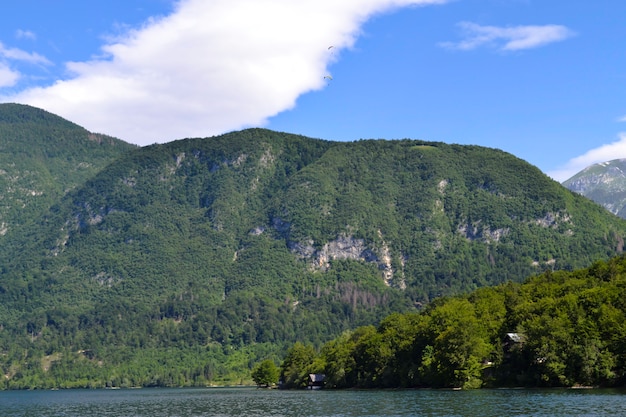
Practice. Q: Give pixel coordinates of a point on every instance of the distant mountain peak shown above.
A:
(604, 183)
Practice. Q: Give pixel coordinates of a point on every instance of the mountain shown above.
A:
(185, 263)
(42, 157)
(604, 183)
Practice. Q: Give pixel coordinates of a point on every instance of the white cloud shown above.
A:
(25, 34)
(8, 77)
(510, 38)
(210, 67)
(15, 54)
(604, 153)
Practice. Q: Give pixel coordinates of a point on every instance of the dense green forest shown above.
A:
(42, 157)
(188, 262)
(558, 329)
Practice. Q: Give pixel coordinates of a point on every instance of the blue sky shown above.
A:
(542, 79)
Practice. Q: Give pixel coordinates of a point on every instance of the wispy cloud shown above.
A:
(25, 34)
(604, 153)
(15, 54)
(209, 67)
(510, 38)
(10, 57)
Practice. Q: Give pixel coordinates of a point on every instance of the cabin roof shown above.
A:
(317, 377)
(514, 337)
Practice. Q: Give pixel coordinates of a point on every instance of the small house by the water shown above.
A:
(316, 381)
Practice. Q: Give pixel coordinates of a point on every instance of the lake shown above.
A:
(242, 402)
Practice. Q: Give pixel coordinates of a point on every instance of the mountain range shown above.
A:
(185, 263)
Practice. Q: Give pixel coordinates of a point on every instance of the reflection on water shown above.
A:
(243, 402)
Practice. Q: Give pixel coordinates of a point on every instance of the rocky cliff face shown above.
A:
(348, 247)
(604, 183)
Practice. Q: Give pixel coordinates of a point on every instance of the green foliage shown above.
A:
(297, 366)
(265, 373)
(555, 330)
(43, 157)
(459, 347)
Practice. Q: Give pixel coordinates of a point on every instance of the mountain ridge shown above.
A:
(42, 156)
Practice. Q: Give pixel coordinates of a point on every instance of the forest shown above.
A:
(557, 329)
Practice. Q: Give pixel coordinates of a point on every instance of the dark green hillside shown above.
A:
(187, 262)
(453, 217)
(42, 156)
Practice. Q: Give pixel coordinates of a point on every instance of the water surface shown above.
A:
(244, 402)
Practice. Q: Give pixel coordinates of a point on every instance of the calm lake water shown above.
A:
(243, 402)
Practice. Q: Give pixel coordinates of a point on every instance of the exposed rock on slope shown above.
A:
(604, 183)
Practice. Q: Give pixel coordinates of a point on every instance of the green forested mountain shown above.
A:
(188, 262)
(42, 156)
